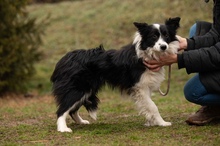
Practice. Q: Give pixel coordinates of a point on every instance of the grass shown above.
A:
(86, 24)
(32, 122)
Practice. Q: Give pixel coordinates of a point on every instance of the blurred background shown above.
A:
(35, 34)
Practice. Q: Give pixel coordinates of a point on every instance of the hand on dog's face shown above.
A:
(155, 65)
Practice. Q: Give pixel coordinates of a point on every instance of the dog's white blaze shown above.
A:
(160, 41)
(157, 26)
(61, 121)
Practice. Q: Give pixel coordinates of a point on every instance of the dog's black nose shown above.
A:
(163, 47)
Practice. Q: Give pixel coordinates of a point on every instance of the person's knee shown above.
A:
(190, 95)
(187, 94)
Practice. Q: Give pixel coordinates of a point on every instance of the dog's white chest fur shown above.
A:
(151, 80)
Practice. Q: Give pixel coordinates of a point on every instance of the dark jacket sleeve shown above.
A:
(201, 60)
(209, 39)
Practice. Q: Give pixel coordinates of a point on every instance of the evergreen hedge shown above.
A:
(20, 38)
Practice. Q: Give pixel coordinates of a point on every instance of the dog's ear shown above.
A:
(173, 22)
(140, 26)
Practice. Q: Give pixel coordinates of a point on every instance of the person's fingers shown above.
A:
(151, 65)
(156, 69)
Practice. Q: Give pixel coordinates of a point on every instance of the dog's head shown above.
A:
(151, 41)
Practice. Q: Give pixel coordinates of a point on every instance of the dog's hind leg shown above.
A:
(76, 117)
(148, 108)
(70, 104)
(91, 105)
(74, 113)
(61, 123)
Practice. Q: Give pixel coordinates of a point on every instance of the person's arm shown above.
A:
(200, 60)
(209, 39)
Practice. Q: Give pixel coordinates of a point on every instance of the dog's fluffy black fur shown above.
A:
(84, 71)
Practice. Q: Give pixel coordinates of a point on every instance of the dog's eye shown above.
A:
(166, 36)
(155, 36)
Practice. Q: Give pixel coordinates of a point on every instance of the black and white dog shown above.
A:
(80, 74)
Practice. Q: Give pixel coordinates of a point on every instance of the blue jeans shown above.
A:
(195, 91)
(192, 31)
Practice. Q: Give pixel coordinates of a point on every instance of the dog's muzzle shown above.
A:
(163, 47)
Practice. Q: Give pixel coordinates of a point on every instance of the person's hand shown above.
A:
(150, 65)
(155, 65)
(182, 43)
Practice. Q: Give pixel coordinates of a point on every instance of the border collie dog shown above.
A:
(80, 74)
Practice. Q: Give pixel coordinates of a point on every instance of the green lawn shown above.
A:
(86, 24)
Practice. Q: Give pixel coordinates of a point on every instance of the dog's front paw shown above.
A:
(147, 124)
(158, 124)
(166, 124)
(66, 129)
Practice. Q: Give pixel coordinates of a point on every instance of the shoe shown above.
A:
(204, 115)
